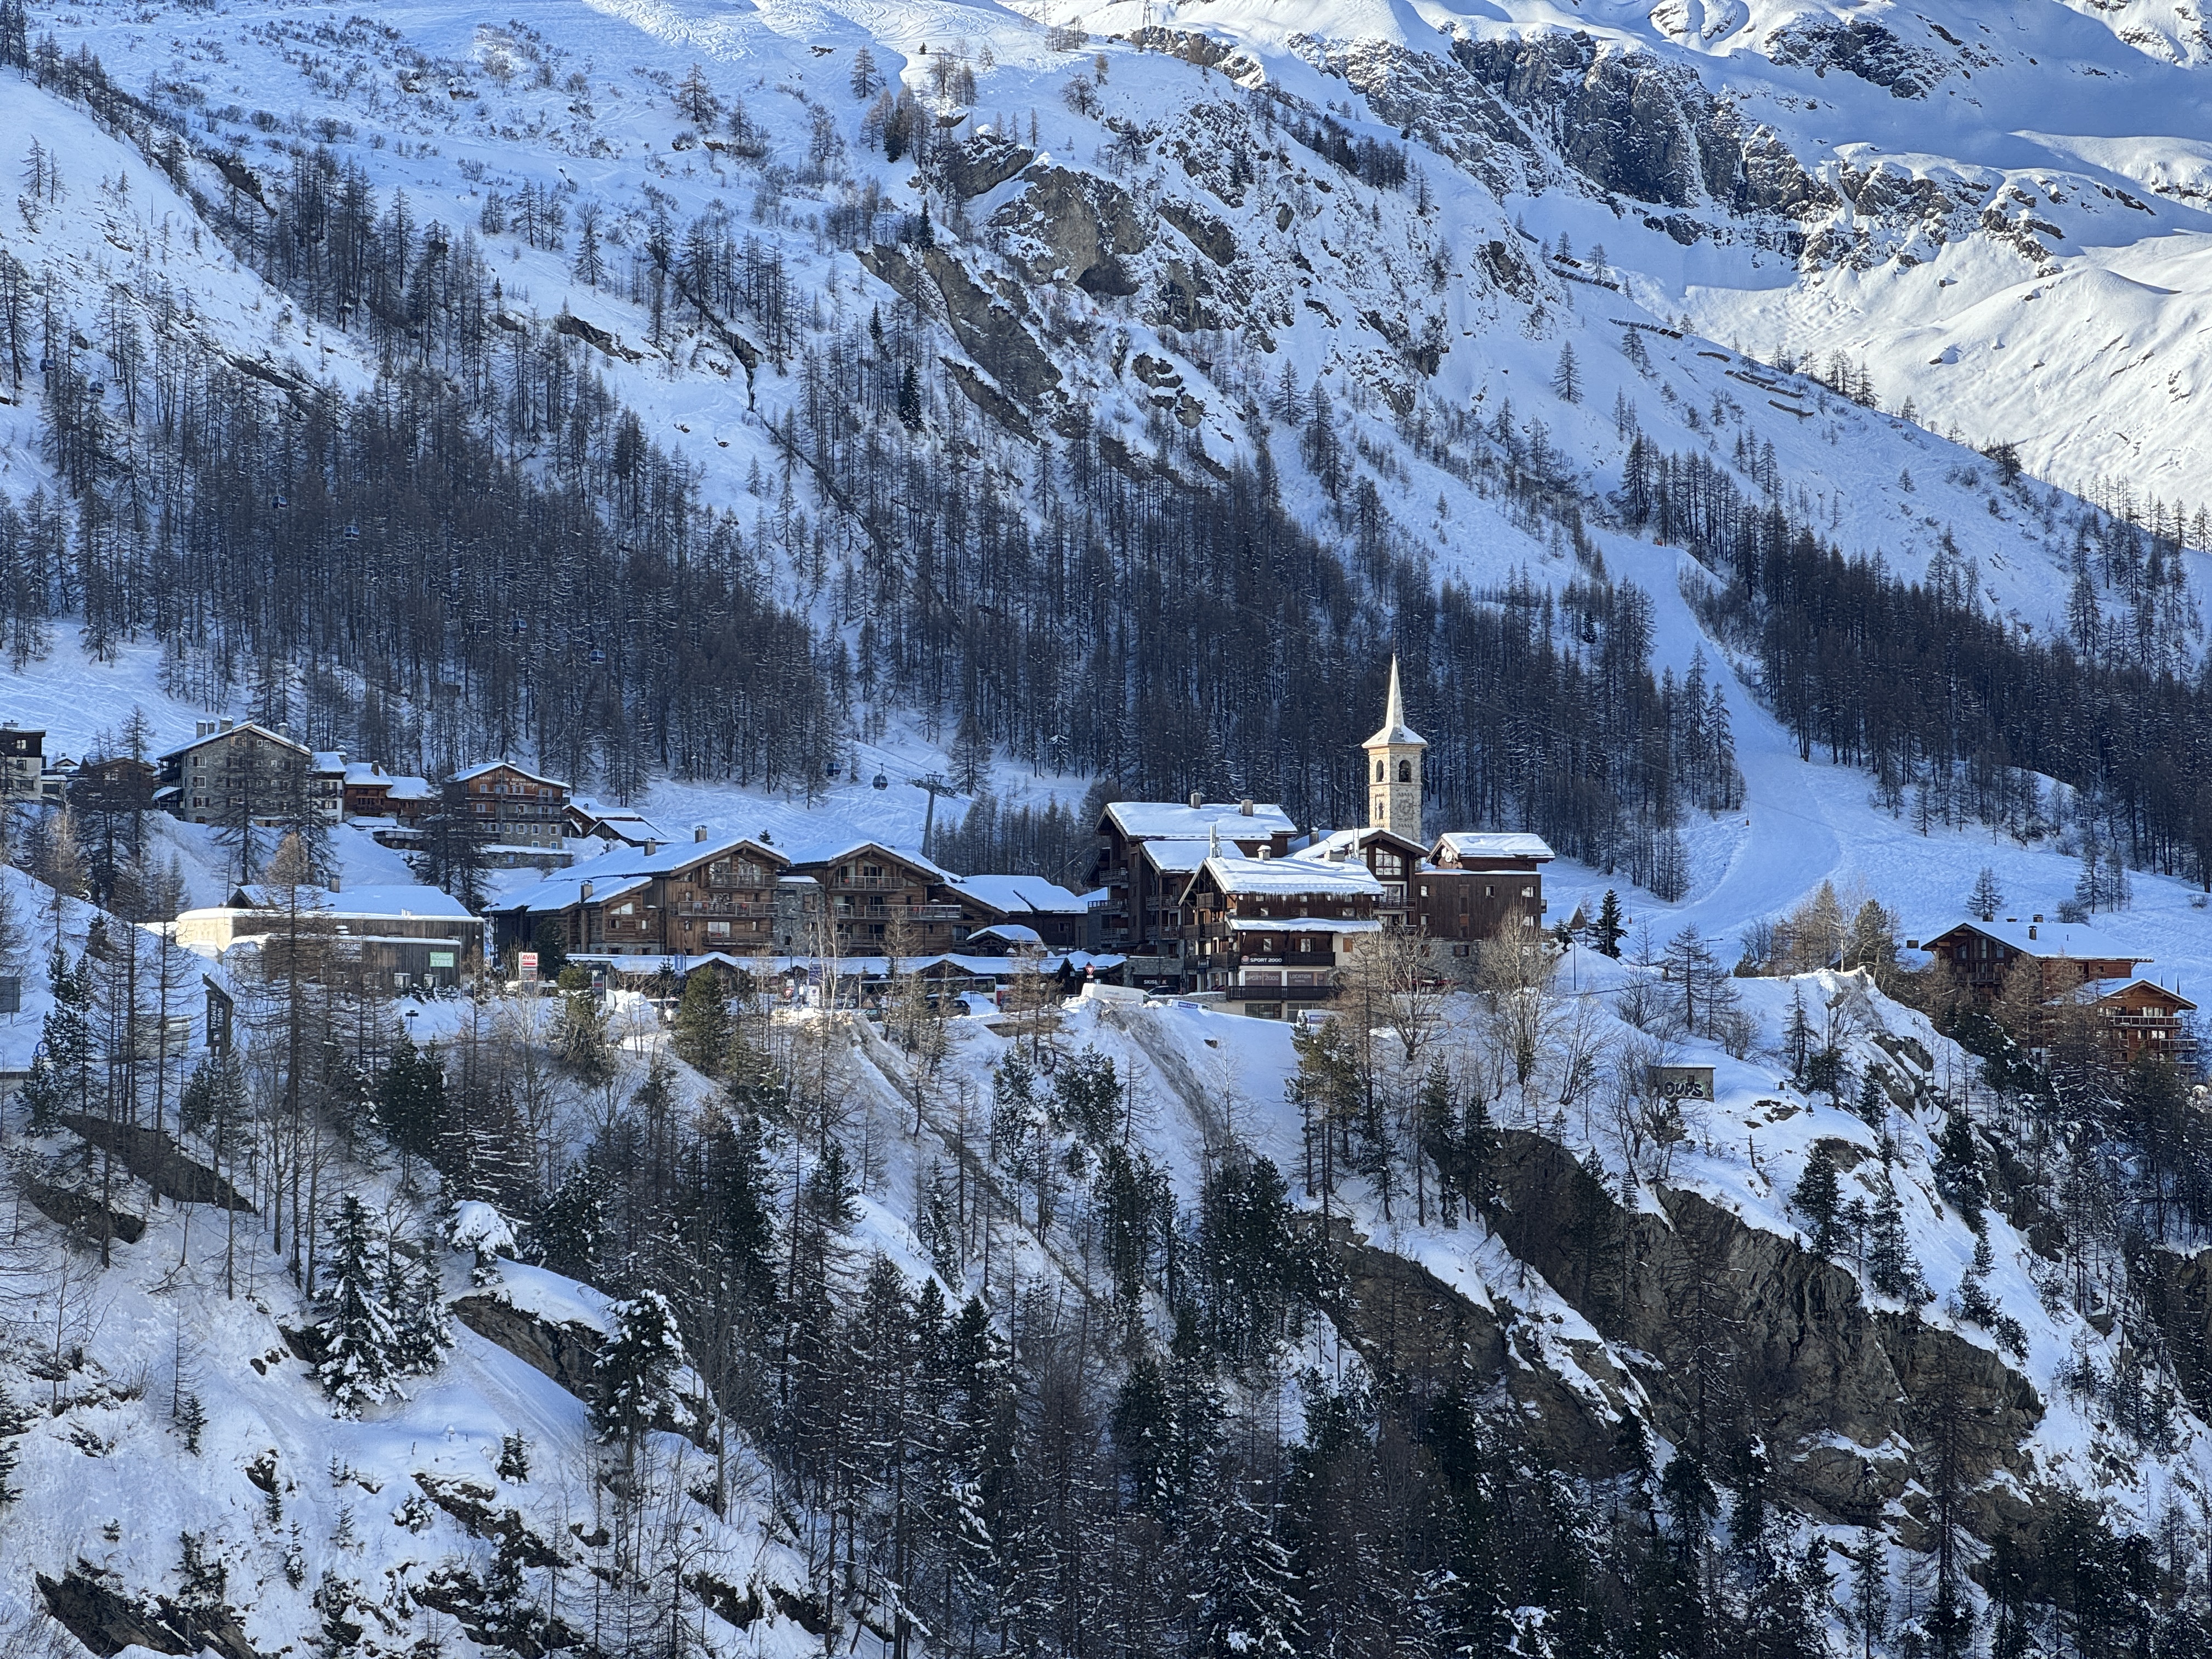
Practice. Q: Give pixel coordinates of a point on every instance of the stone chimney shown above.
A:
(1197, 800)
(584, 893)
(698, 832)
(1245, 806)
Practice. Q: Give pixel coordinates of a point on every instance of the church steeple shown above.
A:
(1393, 770)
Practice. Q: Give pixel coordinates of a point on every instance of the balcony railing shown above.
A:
(725, 907)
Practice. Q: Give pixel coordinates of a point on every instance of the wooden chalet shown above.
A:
(874, 897)
(2074, 965)
(1014, 904)
(688, 897)
(1270, 933)
(1147, 852)
(1480, 885)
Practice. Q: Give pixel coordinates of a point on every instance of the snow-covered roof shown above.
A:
(1292, 877)
(2044, 939)
(836, 852)
(396, 900)
(1343, 843)
(254, 726)
(565, 890)
(330, 760)
(1154, 820)
(2091, 991)
(1012, 931)
(1014, 895)
(480, 771)
(619, 869)
(625, 821)
(396, 786)
(1467, 845)
(1395, 733)
(1175, 855)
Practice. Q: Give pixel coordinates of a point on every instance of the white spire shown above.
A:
(1395, 733)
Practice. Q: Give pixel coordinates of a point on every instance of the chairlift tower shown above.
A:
(936, 784)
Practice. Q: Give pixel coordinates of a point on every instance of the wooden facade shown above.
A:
(688, 898)
(875, 897)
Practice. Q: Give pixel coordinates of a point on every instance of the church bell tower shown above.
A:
(1394, 770)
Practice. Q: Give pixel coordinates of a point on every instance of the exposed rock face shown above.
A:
(981, 162)
(1750, 1333)
(566, 1353)
(1729, 1330)
(83, 1211)
(1074, 227)
(1408, 1323)
(153, 1158)
(106, 1621)
(1646, 130)
(1860, 47)
(992, 325)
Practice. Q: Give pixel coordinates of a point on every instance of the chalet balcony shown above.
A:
(725, 907)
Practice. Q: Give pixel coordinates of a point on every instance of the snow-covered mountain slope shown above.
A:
(1145, 240)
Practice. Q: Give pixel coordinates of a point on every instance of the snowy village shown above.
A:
(1179, 831)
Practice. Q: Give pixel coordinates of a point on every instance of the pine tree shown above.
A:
(1866, 1614)
(701, 1034)
(14, 1422)
(514, 1458)
(1818, 1198)
(1890, 1264)
(410, 1099)
(358, 1341)
(1797, 1033)
(1987, 898)
(637, 1369)
(1566, 377)
(61, 1078)
(1247, 1603)
(192, 1421)
(1607, 932)
(415, 1304)
(571, 1228)
(1958, 1175)
(742, 1217)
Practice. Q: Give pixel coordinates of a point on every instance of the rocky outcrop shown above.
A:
(1406, 1323)
(83, 1212)
(568, 1353)
(1644, 128)
(1861, 48)
(1743, 1331)
(992, 325)
(87, 1603)
(1712, 1330)
(981, 163)
(153, 1158)
(1067, 227)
